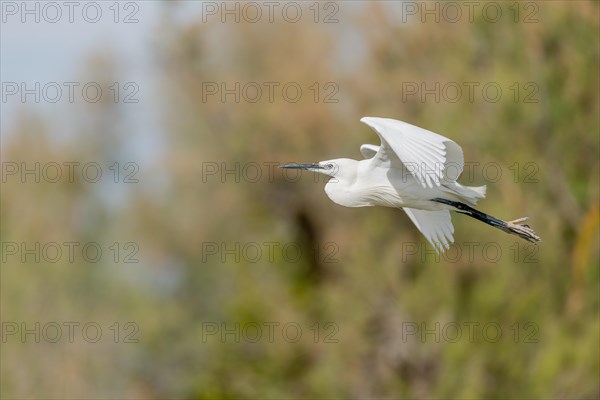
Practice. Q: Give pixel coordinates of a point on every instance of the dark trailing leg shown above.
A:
(515, 227)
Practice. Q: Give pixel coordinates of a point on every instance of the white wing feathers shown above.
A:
(368, 150)
(436, 226)
(430, 158)
(425, 154)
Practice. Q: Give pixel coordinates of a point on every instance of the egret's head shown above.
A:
(338, 168)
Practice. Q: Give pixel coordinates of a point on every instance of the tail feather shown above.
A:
(468, 194)
(479, 190)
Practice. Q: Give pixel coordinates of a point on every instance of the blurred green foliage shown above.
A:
(375, 289)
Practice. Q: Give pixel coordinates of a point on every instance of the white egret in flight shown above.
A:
(413, 169)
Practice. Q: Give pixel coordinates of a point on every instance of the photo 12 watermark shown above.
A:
(69, 332)
(70, 92)
(71, 12)
(252, 12)
(471, 251)
(253, 172)
(470, 92)
(269, 92)
(470, 331)
(69, 172)
(70, 252)
(452, 12)
(267, 252)
(268, 332)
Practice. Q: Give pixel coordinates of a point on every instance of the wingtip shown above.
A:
(370, 120)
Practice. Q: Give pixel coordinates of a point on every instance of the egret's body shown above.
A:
(365, 185)
(413, 169)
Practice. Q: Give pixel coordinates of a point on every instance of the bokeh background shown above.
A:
(207, 248)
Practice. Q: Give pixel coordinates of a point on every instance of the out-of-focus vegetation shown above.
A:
(377, 288)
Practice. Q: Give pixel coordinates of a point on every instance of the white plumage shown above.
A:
(413, 169)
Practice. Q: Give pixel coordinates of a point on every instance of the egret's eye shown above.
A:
(329, 166)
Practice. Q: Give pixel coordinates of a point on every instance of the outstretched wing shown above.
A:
(425, 154)
(436, 226)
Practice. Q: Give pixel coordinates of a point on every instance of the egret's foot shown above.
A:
(516, 227)
(523, 230)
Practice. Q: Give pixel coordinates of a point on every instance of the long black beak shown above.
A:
(301, 166)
